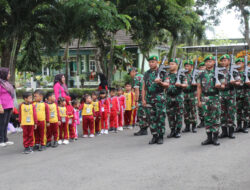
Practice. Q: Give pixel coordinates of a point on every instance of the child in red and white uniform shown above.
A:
(122, 102)
(98, 113)
(28, 120)
(54, 120)
(71, 119)
(129, 106)
(75, 104)
(42, 110)
(64, 127)
(114, 110)
(105, 111)
(88, 114)
(134, 111)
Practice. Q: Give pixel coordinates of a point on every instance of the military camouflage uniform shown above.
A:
(190, 102)
(200, 111)
(210, 101)
(141, 113)
(175, 98)
(155, 98)
(242, 100)
(228, 102)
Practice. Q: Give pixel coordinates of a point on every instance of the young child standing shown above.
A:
(134, 110)
(105, 111)
(75, 104)
(97, 109)
(71, 119)
(88, 114)
(114, 110)
(122, 102)
(28, 120)
(54, 120)
(64, 128)
(42, 110)
(129, 106)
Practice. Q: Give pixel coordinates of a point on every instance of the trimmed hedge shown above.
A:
(74, 92)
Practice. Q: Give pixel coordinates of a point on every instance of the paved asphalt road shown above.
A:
(124, 162)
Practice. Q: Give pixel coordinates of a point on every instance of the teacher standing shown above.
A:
(60, 87)
(7, 94)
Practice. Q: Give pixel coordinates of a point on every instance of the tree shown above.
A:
(243, 7)
(19, 21)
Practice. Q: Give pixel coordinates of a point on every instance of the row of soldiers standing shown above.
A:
(219, 99)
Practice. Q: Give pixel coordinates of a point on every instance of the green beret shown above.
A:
(209, 57)
(131, 69)
(189, 62)
(202, 64)
(226, 56)
(153, 58)
(240, 60)
(173, 60)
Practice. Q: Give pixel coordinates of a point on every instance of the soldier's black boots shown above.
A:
(224, 133)
(209, 139)
(201, 125)
(194, 129)
(178, 133)
(239, 127)
(231, 133)
(141, 132)
(215, 139)
(245, 130)
(154, 140)
(160, 139)
(187, 129)
(172, 133)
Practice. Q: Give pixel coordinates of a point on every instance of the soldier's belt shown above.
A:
(210, 93)
(188, 90)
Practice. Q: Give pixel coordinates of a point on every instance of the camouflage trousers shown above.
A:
(175, 111)
(190, 109)
(156, 115)
(142, 117)
(200, 113)
(228, 111)
(242, 104)
(212, 111)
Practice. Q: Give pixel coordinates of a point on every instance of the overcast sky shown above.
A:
(229, 26)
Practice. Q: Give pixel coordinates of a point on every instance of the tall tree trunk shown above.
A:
(143, 64)
(66, 56)
(172, 51)
(111, 64)
(99, 60)
(246, 23)
(12, 65)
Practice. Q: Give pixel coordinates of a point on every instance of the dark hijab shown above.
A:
(58, 78)
(4, 81)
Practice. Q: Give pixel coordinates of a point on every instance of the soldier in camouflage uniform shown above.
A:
(242, 99)
(202, 68)
(189, 99)
(141, 113)
(153, 99)
(208, 99)
(175, 98)
(228, 100)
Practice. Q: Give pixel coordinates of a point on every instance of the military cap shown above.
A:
(226, 56)
(209, 57)
(173, 60)
(189, 62)
(202, 64)
(131, 69)
(240, 60)
(153, 58)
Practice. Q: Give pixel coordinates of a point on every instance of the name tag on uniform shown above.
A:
(28, 119)
(88, 110)
(102, 109)
(70, 121)
(63, 120)
(52, 114)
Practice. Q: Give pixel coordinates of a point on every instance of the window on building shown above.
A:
(92, 64)
(83, 65)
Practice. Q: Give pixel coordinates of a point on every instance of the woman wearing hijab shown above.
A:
(60, 88)
(7, 94)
